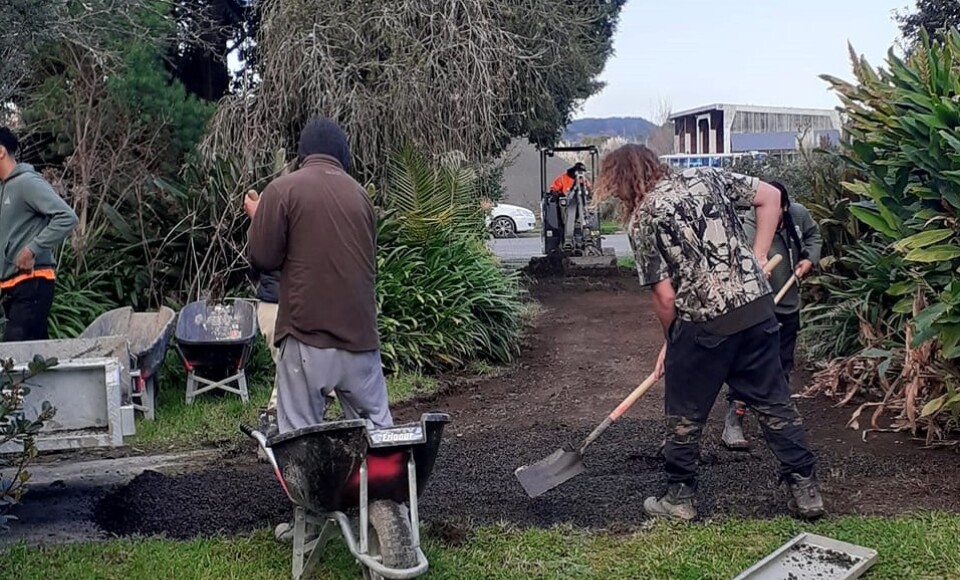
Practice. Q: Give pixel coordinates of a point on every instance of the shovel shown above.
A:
(786, 287)
(563, 464)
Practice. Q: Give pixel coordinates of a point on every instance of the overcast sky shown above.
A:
(758, 52)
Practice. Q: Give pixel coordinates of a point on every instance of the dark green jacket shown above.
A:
(33, 216)
(783, 244)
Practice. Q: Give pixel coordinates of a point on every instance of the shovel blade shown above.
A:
(546, 474)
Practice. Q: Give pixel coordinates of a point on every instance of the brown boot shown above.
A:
(805, 501)
(678, 503)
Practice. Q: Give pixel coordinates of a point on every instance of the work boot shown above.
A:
(283, 533)
(805, 501)
(733, 437)
(678, 503)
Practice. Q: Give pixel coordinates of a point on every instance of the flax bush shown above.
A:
(903, 287)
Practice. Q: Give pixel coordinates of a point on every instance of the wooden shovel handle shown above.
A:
(772, 263)
(632, 397)
(620, 410)
(786, 287)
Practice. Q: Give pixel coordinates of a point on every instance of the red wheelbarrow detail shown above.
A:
(386, 476)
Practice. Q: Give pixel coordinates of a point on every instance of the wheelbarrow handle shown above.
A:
(261, 439)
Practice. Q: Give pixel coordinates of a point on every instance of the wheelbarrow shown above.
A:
(215, 342)
(329, 469)
(147, 335)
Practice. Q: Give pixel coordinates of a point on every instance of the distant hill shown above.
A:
(631, 128)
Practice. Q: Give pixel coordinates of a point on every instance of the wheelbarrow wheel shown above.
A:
(391, 538)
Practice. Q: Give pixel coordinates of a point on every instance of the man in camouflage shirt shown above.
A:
(716, 307)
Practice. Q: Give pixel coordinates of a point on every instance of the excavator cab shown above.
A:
(570, 223)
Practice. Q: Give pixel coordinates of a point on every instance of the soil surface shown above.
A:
(64, 496)
(595, 341)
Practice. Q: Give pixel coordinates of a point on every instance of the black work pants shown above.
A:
(698, 363)
(27, 308)
(789, 328)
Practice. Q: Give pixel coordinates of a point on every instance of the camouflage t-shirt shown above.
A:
(687, 229)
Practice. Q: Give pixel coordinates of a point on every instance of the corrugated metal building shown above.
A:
(777, 131)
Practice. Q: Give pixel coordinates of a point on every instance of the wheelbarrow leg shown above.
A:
(191, 387)
(318, 546)
(148, 398)
(299, 539)
(242, 383)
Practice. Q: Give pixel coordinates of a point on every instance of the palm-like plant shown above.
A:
(433, 197)
(443, 299)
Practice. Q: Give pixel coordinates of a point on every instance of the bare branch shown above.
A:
(437, 75)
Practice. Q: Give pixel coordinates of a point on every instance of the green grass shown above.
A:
(212, 419)
(916, 547)
(609, 228)
(627, 262)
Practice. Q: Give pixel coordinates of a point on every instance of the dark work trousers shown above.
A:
(789, 327)
(698, 363)
(27, 308)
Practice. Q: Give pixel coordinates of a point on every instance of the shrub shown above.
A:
(81, 296)
(442, 297)
(14, 427)
(902, 125)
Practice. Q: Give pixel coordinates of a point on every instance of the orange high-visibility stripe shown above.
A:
(45, 273)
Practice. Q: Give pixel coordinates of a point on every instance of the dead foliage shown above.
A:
(901, 389)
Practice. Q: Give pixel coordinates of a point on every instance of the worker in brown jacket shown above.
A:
(317, 225)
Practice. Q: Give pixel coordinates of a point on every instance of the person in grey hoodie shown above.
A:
(33, 222)
(798, 240)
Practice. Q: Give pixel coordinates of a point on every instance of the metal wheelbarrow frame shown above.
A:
(146, 353)
(200, 352)
(325, 471)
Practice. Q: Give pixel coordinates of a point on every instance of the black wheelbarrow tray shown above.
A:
(340, 466)
(215, 342)
(147, 335)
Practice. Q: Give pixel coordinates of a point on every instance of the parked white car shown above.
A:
(506, 220)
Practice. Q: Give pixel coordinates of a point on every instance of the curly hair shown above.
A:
(628, 173)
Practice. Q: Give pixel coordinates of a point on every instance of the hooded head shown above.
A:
(322, 136)
(8, 152)
(579, 167)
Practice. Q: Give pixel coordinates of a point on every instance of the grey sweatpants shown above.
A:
(306, 375)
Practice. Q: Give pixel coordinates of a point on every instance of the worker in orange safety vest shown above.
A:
(562, 186)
